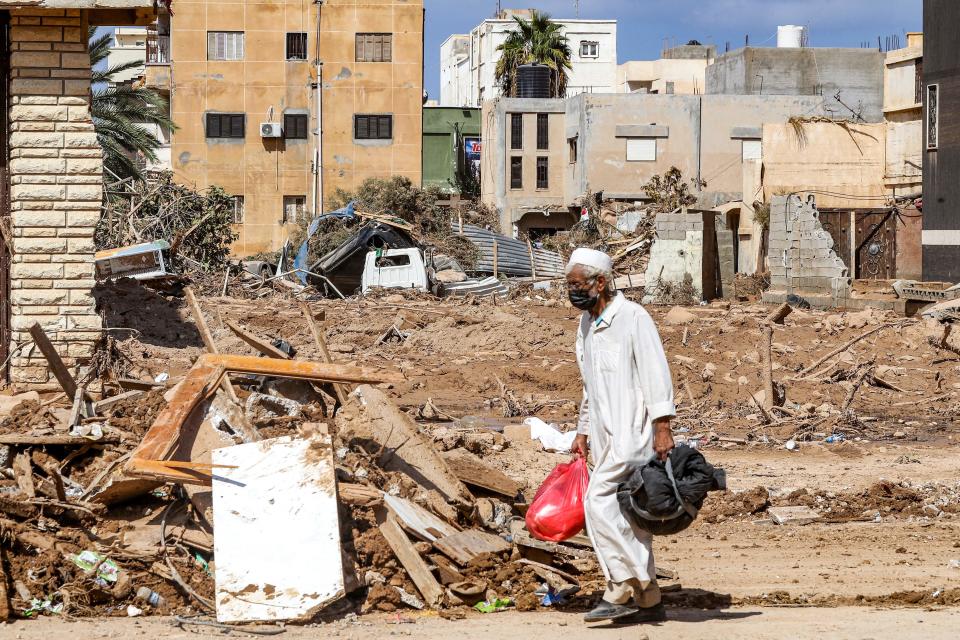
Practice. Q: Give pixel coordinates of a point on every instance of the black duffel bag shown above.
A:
(665, 497)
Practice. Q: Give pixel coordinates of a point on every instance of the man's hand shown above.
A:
(579, 446)
(662, 438)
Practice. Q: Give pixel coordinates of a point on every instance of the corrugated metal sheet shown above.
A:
(513, 257)
(478, 287)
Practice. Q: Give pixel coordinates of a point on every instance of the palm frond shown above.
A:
(539, 40)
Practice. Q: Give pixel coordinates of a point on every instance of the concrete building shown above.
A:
(678, 70)
(244, 94)
(941, 141)
(856, 75)
(468, 62)
(129, 45)
(545, 155)
(903, 112)
(51, 180)
(451, 149)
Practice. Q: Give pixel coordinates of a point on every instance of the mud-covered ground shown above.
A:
(888, 491)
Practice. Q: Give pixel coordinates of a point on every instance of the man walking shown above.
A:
(625, 416)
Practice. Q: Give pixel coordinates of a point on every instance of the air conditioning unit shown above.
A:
(271, 130)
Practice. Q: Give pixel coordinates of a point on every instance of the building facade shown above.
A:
(51, 180)
(129, 45)
(452, 149)
(468, 62)
(903, 113)
(941, 141)
(546, 155)
(678, 70)
(849, 80)
(245, 93)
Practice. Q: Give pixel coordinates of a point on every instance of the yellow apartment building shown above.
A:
(243, 82)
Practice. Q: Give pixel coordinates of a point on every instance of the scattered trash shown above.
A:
(133, 612)
(836, 437)
(790, 445)
(556, 512)
(549, 436)
(493, 606)
(148, 596)
(91, 561)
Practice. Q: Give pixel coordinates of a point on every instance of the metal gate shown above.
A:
(6, 231)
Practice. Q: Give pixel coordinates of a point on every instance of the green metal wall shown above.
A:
(443, 131)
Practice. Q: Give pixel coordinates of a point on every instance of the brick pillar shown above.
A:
(56, 170)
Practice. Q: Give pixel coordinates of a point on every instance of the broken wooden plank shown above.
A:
(207, 338)
(395, 439)
(524, 539)
(261, 345)
(464, 546)
(475, 472)
(130, 384)
(447, 571)
(106, 403)
(418, 520)
(23, 471)
(208, 371)
(359, 494)
(339, 389)
(59, 370)
(6, 611)
(19, 508)
(49, 465)
(416, 568)
(66, 441)
(792, 515)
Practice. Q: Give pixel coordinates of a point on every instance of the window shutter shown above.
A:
(213, 126)
(236, 126)
(388, 47)
(386, 127)
(359, 45)
(368, 49)
(360, 126)
(211, 46)
(377, 47)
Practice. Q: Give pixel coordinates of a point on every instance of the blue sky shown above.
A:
(643, 24)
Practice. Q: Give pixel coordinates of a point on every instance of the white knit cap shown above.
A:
(590, 258)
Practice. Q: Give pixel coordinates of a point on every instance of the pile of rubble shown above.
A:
(258, 489)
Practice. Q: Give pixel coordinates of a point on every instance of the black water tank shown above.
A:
(533, 81)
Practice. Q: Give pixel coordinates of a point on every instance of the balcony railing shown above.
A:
(158, 49)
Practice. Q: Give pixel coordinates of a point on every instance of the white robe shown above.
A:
(626, 386)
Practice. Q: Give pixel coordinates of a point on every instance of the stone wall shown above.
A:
(55, 176)
(801, 258)
(684, 252)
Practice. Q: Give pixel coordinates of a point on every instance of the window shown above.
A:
(589, 49)
(572, 147)
(224, 45)
(918, 81)
(543, 134)
(226, 125)
(542, 181)
(385, 262)
(374, 47)
(516, 173)
(933, 116)
(237, 209)
(372, 127)
(516, 131)
(668, 87)
(295, 126)
(293, 208)
(297, 46)
(641, 149)
(751, 150)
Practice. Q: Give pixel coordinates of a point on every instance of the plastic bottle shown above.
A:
(150, 597)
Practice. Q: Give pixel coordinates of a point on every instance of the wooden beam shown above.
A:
(256, 342)
(59, 370)
(207, 338)
(207, 373)
(23, 471)
(359, 494)
(416, 568)
(112, 400)
(129, 384)
(473, 471)
(322, 345)
(464, 546)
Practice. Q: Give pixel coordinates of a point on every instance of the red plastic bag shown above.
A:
(556, 512)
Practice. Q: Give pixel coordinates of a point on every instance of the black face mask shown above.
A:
(583, 299)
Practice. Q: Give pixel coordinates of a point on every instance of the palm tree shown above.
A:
(120, 111)
(535, 40)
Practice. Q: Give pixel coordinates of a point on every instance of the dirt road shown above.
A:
(684, 624)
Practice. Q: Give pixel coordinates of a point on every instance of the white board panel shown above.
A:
(276, 530)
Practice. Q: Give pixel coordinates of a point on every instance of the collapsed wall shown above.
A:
(800, 257)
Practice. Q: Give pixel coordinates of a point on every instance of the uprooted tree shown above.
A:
(670, 191)
(197, 224)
